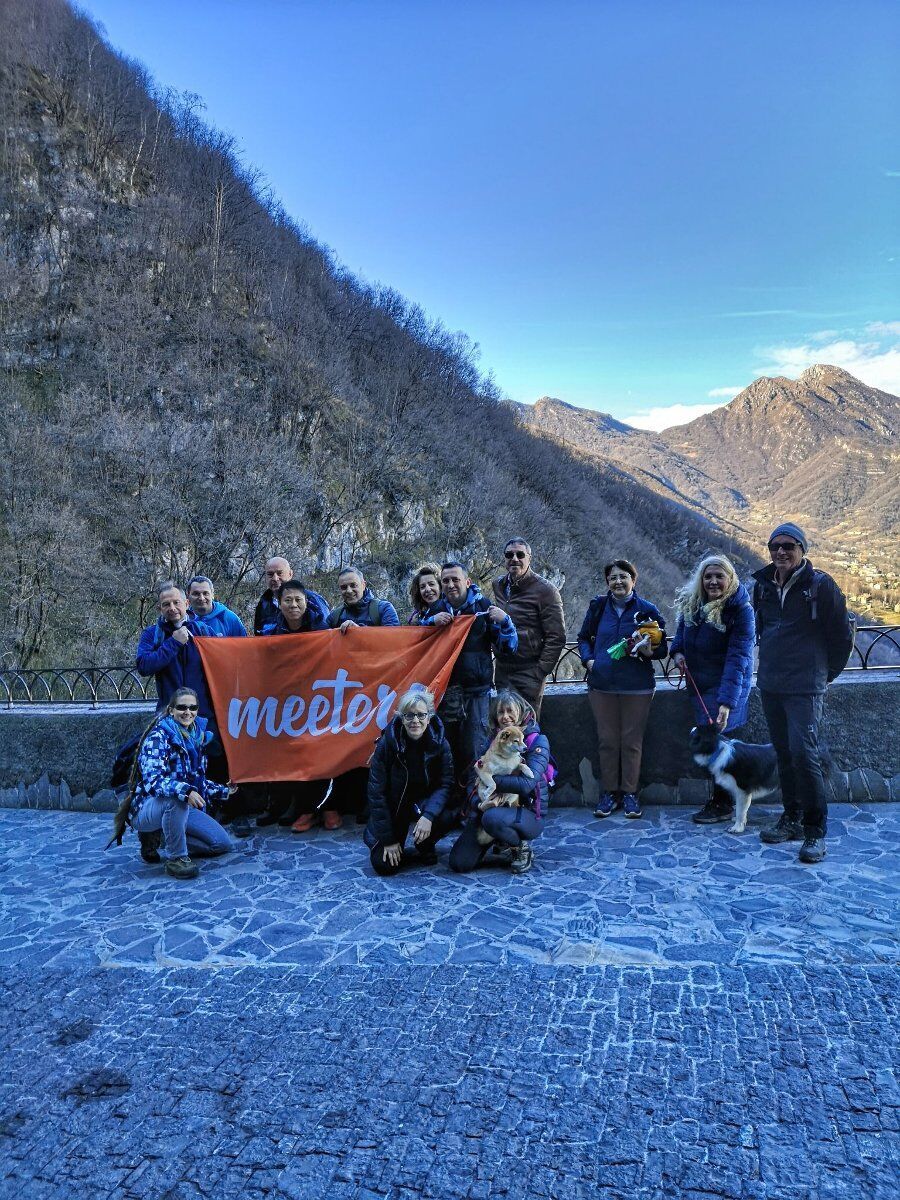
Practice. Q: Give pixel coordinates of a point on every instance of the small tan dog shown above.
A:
(504, 756)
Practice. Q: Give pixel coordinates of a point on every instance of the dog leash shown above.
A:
(697, 690)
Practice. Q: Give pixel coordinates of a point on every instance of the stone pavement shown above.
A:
(656, 1010)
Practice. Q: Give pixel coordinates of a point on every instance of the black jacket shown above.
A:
(266, 612)
(805, 638)
(388, 778)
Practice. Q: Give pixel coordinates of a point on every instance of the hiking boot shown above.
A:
(521, 858)
(606, 805)
(631, 804)
(304, 823)
(332, 819)
(812, 850)
(182, 868)
(241, 827)
(713, 812)
(784, 830)
(150, 844)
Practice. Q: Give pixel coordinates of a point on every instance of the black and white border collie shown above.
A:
(744, 770)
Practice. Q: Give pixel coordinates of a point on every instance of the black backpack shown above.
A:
(337, 615)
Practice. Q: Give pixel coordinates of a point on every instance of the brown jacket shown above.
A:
(537, 612)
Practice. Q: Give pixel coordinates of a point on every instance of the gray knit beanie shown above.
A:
(790, 530)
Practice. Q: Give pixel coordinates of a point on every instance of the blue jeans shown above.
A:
(185, 829)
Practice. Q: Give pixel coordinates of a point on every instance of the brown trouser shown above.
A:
(526, 679)
(621, 718)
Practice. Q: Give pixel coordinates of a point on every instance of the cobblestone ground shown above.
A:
(656, 1010)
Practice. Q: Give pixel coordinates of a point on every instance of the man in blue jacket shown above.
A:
(166, 649)
(805, 639)
(359, 604)
(464, 709)
(205, 607)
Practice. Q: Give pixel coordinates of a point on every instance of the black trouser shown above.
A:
(442, 824)
(794, 728)
(302, 796)
(249, 797)
(350, 794)
(509, 826)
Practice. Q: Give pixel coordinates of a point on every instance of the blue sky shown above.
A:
(631, 206)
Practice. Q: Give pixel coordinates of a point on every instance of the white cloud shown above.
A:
(665, 416)
(728, 392)
(875, 359)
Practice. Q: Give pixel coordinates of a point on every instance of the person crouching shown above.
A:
(410, 780)
(170, 790)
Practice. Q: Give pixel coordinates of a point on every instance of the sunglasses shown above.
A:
(186, 707)
(412, 716)
(515, 553)
(787, 547)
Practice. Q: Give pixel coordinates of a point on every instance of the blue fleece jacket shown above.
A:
(361, 614)
(474, 669)
(174, 665)
(720, 662)
(223, 621)
(602, 628)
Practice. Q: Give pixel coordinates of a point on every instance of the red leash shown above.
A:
(697, 690)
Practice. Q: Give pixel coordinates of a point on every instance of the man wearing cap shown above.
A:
(805, 639)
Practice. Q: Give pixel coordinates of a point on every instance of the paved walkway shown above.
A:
(656, 1010)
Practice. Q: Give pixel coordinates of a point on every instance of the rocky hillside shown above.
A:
(189, 382)
(821, 450)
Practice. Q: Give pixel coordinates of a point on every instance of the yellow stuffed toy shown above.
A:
(647, 633)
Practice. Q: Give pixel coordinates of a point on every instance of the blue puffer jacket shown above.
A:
(602, 628)
(361, 613)
(474, 669)
(174, 665)
(312, 622)
(534, 793)
(171, 764)
(721, 663)
(222, 621)
(388, 778)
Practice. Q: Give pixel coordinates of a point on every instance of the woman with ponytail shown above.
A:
(169, 792)
(714, 641)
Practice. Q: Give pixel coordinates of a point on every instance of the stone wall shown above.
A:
(59, 756)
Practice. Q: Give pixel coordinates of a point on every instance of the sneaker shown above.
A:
(150, 844)
(332, 819)
(521, 859)
(182, 868)
(812, 850)
(784, 830)
(631, 804)
(606, 805)
(713, 812)
(304, 823)
(241, 827)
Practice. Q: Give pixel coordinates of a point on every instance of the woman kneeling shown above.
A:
(410, 777)
(504, 828)
(171, 790)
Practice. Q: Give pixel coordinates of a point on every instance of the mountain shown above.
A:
(820, 450)
(189, 382)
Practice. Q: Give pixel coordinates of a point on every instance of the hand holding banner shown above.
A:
(312, 705)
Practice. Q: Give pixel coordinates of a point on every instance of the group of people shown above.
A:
(419, 783)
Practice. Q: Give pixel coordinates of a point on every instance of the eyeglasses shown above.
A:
(419, 717)
(787, 547)
(186, 707)
(515, 553)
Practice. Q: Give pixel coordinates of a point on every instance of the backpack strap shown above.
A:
(335, 617)
(374, 612)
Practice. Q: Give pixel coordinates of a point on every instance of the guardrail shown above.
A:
(877, 648)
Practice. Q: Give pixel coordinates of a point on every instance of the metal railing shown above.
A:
(877, 648)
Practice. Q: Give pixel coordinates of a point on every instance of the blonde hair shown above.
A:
(691, 602)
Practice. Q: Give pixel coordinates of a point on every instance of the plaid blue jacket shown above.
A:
(165, 767)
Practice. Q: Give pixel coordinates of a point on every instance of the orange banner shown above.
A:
(312, 705)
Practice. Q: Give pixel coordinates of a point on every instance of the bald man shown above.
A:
(278, 571)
